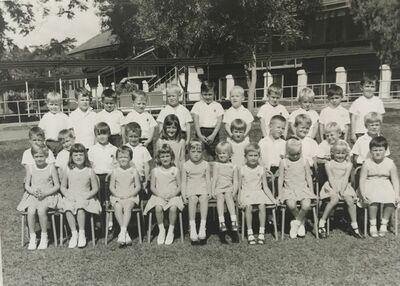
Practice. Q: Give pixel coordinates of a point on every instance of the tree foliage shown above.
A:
(381, 20)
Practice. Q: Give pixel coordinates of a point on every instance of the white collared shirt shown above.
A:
(324, 150)
(27, 158)
(340, 115)
(361, 148)
(208, 113)
(313, 115)
(238, 113)
(267, 111)
(272, 151)
(180, 111)
(102, 158)
(53, 123)
(309, 149)
(361, 107)
(140, 156)
(62, 159)
(114, 119)
(83, 124)
(144, 119)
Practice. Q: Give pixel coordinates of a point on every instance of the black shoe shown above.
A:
(322, 233)
(356, 234)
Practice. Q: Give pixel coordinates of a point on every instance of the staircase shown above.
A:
(172, 76)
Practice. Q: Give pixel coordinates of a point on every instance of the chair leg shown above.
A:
(149, 229)
(61, 229)
(283, 223)
(106, 229)
(275, 225)
(243, 224)
(328, 225)
(396, 214)
(53, 225)
(315, 222)
(139, 227)
(181, 226)
(93, 233)
(365, 221)
(22, 230)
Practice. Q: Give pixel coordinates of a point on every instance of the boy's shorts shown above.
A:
(210, 148)
(104, 192)
(115, 140)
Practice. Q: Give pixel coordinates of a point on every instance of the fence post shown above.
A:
(145, 85)
(268, 80)
(341, 79)
(301, 80)
(385, 81)
(230, 82)
(27, 99)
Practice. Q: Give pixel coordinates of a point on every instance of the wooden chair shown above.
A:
(24, 224)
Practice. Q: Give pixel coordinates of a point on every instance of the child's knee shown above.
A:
(203, 199)
(173, 209)
(306, 204)
(291, 204)
(261, 207)
(220, 197)
(334, 200)
(31, 211)
(42, 211)
(159, 209)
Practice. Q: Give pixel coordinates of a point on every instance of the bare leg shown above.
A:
(329, 207)
(230, 203)
(249, 217)
(118, 213)
(160, 215)
(193, 200)
(373, 211)
(203, 207)
(43, 219)
(220, 204)
(352, 208)
(81, 215)
(305, 207)
(172, 215)
(387, 211)
(261, 215)
(31, 219)
(71, 220)
(127, 207)
(292, 206)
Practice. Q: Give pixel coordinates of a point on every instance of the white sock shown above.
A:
(233, 218)
(322, 223)
(262, 230)
(43, 234)
(372, 222)
(74, 232)
(250, 231)
(221, 219)
(354, 225)
(161, 227)
(171, 228)
(192, 224)
(384, 221)
(203, 223)
(32, 235)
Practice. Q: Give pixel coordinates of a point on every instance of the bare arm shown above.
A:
(309, 177)
(28, 178)
(183, 188)
(346, 132)
(153, 186)
(248, 128)
(394, 177)
(208, 179)
(286, 130)
(56, 182)
(123, 134)
(197, 128)
(178, 184)
(314, 131)
(321, 131)
(281, 178)
(266, 190)
(235, 181)
(214, 180)
(146, 166)
(353, 123)
(64, 184)
(138, 186)
(228, 129)
(291, 128)
(363, 179)
(112, 184)
(188, 129)
(150, 139)
(94, 185)
(217, 126)
(263, 127)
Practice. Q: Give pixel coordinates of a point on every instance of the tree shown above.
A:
(381, 20)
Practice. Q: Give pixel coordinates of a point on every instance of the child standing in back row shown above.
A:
(309, 148)
(238, 141)
(67, 139)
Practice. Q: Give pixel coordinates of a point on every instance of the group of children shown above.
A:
(97, 152)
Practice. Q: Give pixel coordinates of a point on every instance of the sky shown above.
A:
(85, 25)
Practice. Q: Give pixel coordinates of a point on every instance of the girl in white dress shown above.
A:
(166, 189)
(253, 190)
(225, 184)
(79, 186)
(338, 187)
(379, 184)
(41, 186)
(124, 188)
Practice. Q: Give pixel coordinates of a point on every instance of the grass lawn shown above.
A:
(338, 260)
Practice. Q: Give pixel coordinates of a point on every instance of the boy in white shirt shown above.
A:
(309, 148)
(83, 119)
(207, 117)
(363, 105)
(334, 112)
(306, 100)
(271, 108)
(238, 141)
(237, 111)
(112, 116)
(273, 147)
(173, 106)
(67, 139)
(53, 121)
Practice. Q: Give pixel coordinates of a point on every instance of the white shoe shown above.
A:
(44, 241)
(301, 232)
(121, 237)
(193, 234)
(170, 237)
(202, 233)
(373, 231)
(128, 239)
(383, 230)
(73, 242)
(294, 226)
(81, 239)
(32, 242)
(161, 236)
(110, 225)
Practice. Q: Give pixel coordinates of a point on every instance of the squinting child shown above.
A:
(143, 118)
(306, 100)
(41, 186)
(363, 105)
(271, 108)
(338, 187)
(79, 186)
(253, 190)
(83, 119)
(207, 117)
(237, 111)
(124, 187)
(273, 147)
(238, 141)
(171, 135)
(379, 184)
(53, 121)
(225, 184)
(295, 185)
(335, 112)
(309, 148)
(196, 188)
(166, 189)
(173, 106)
(67, 139)
(112, 116)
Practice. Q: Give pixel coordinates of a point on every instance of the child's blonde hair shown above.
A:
(194, 143)
(306, 93)
(372, 117)
(224, 146)
(173, 88)
(237, 88)
(65, 133)
(137, 93)
(340, 145)
(252, 147)
(293, 145)
(53, 96)
(274, 89)
(238, 124)
(302, 119)
(40, 149)
(165, 149)
(332, 127)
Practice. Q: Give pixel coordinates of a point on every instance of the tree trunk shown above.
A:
(251, 77)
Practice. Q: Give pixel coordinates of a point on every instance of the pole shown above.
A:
(27, 98)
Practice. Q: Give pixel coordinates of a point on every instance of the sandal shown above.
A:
(251, 240)
(260, 240)
(322, 232)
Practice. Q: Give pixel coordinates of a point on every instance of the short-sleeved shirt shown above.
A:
(102, 158)
(324, 150)
(180, 111)
(267, 111)
(309, 149)
(361, 107)
(53, 123)
(272, 151)
(238, 113)
(62, 159)
(208, 113)
(361, 148)
(114, 119)
(144, 119)
(313, 115)
(340, 115)
(83, 124)
(27, 158)
(140, 156)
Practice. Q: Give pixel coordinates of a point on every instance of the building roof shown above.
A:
(102, 40)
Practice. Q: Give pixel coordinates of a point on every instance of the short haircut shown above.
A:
(139, 94)
(171, 120)
(133, 127)
(165, 149)
(223, 146)
(302, 119)
(332, 126)
(274, 89)
(306, 93)
(277, 117)
(124, 149)
(194, 143)
(293, 145)
(334, 90)
(82, 92)
(372, 117)
(78, 148)
(173, 88)
(237, 88)
(109, 93)
(238, 124)
(40, 149)
(207, 86)
(102, 128)
(53, 96)
(378, 141)
(340, 145)
(64, 134)
(252, 147)
(368, 78)
(36, 131)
